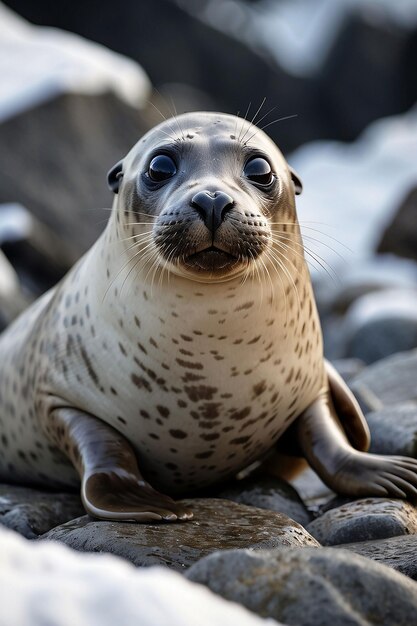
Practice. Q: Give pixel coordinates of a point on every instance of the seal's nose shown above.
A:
(212, 207)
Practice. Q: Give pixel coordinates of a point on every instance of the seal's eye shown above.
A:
(161, 168)
(258, 171)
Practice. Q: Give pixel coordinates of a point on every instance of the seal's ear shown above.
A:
(114, 176)
(298, 185)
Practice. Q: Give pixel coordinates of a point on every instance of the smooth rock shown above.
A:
(396, 552)
(387, 383)
(307, 587)
(400, 236)
(31, 512)
(380, 324)
(217, 525)
(394, 430)
(348, 368)
(361, 520)
(48, 584)
(272, 494)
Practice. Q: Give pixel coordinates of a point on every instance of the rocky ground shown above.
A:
(297, 553)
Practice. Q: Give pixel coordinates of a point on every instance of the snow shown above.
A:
(47, 583)
(297, 33)
(38, 63)
(352, 191)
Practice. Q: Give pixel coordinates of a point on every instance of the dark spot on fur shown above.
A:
(204, 455)
(140, 382)
(178, 434)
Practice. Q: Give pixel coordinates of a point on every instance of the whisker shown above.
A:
(281, 119)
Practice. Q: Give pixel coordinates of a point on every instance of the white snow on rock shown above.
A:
(39, 63)
(47, 583)
(300, 33)
(297, 33)
(352, 191)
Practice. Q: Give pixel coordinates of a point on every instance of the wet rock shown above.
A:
(325, 586)
(394, 430)
(217, 525)
(380, 324)
(400, 236)
(46, 583)
(272, 494)
(361, 520)
(387, 383)
(396, 552)
(31, 512)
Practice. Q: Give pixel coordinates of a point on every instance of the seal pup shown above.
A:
(186, 342)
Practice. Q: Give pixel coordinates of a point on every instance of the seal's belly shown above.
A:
(184, 447)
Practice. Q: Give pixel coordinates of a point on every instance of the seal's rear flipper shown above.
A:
(348, 410)
(112, 487)
(344, 469)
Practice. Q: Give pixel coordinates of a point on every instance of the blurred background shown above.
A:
(81, 81)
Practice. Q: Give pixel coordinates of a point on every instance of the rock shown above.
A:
(372, 40)
(348, 368)
(361, 520)
(387, 383)
(69, 109)
(46, 583)
(306, 587)
(312, 490)
(394, 430)
(400, 236)
(38, 256)
(12, 300)
(217, 525)
(396, 552)
(272, 494)
(32, 512)
(211, 68)
(380, 324)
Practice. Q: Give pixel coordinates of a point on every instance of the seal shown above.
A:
(186, 343)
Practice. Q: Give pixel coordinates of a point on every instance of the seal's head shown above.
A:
(203, 191)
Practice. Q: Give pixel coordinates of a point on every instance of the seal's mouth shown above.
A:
(211, 259)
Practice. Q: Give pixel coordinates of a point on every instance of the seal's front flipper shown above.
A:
(112, 487)
(344, 469)
(348, 410)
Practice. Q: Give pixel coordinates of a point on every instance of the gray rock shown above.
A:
(307, 587)
(394, 430)
(387, 383)
(31, 512)
(361, 520)
(348, 368)
(268, 493)
(312, 490)
(400, 236)
(217, 525)
(380, 324)
(396, 552)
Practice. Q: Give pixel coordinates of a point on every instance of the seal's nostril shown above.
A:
(212, 207)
